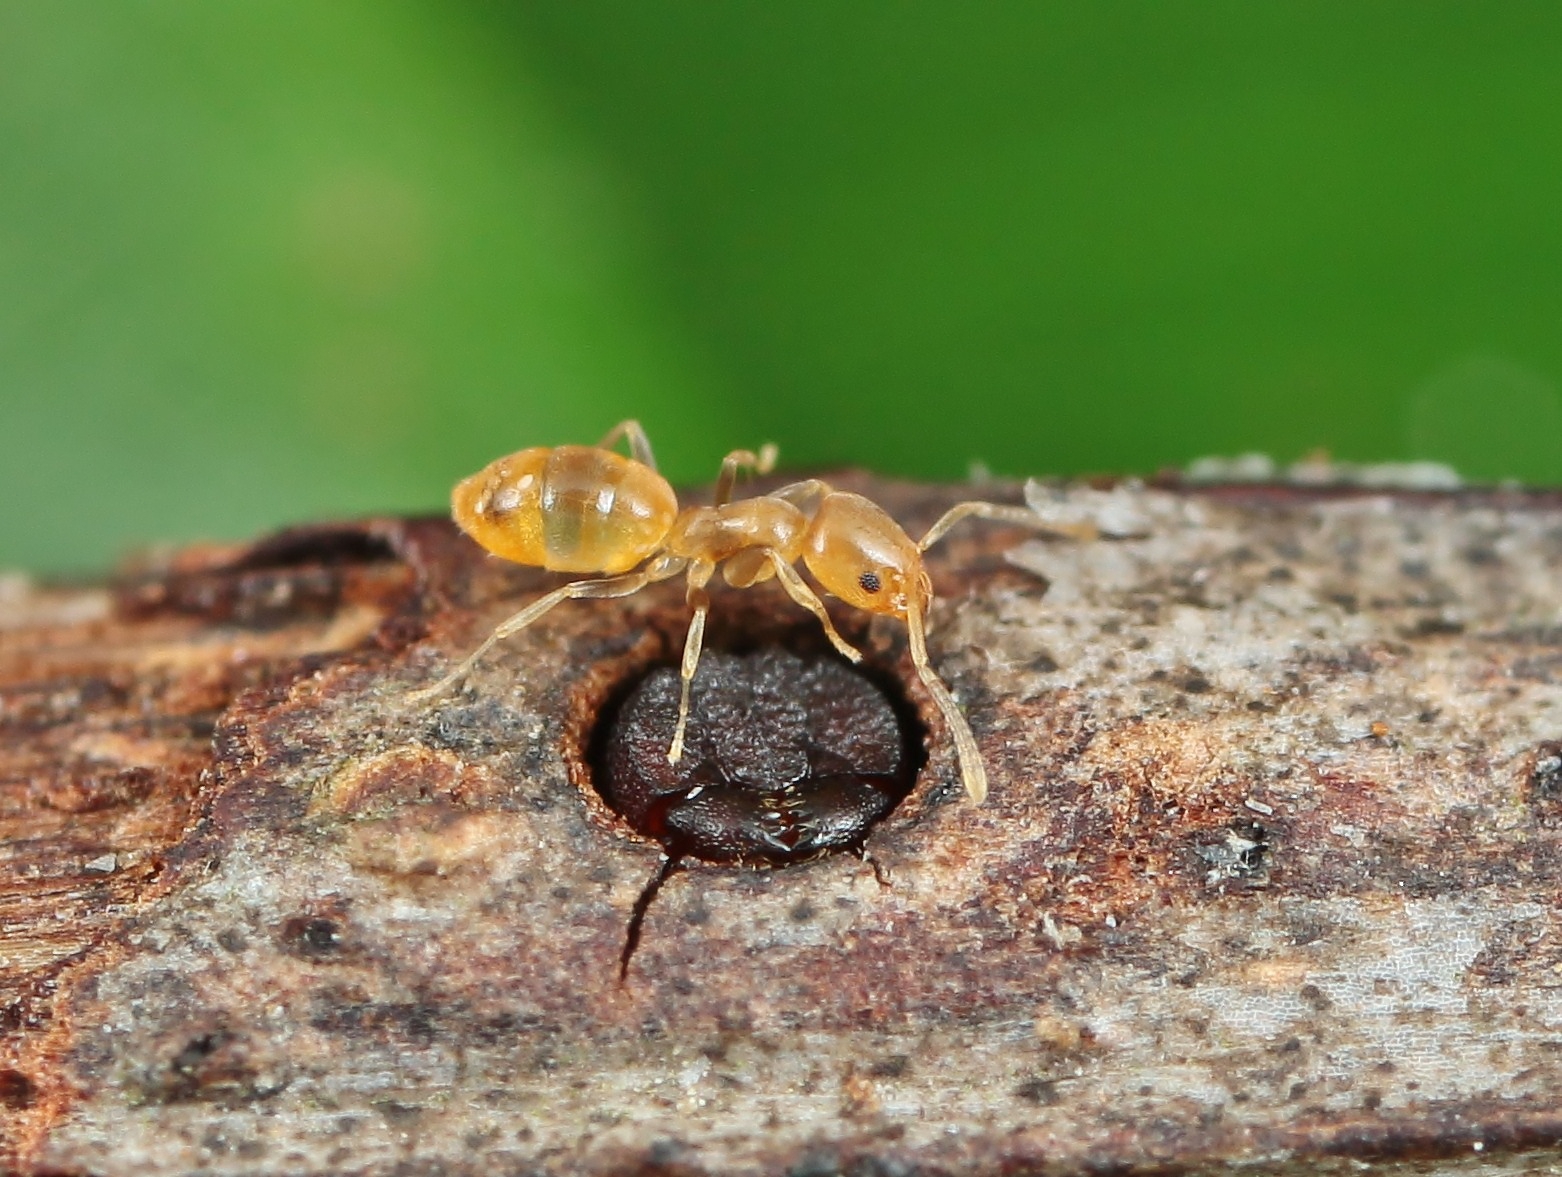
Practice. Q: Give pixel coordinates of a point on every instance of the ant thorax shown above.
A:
(717, 534)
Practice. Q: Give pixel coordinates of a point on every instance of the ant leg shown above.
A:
(799, 591)
(613, 586)
(639, 443)
(761, 463)
(972, 771)
(699, 575)
(747, 568)
(1000, 513)
(798, 493)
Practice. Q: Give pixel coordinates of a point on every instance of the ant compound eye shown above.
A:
(785, 759)
(869, 582)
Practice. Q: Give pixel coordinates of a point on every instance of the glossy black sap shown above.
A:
(786, 758)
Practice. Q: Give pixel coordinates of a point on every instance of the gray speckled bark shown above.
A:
(1269, 876)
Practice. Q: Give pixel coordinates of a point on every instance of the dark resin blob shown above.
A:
(784, 759)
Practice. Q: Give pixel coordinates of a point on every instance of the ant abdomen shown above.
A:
(570, 508)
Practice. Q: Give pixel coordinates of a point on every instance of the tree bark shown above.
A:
(1269, 873)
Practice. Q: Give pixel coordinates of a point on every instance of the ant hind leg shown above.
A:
(612, 586)
(639, 443)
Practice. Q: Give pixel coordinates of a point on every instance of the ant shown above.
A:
(577, 508)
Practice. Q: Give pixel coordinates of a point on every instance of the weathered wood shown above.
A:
(1270, 872)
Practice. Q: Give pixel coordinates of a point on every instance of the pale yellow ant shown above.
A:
(589, 509)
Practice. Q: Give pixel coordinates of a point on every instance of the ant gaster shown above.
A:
(589, 509)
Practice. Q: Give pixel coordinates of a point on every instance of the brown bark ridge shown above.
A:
(1268, 879)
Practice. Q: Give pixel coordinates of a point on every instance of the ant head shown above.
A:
(865, 558)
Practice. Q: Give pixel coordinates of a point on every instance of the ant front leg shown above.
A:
(999, 513)
(639, 443)
(797, 588)
(612, 586)
(972, 772)
(699, 576)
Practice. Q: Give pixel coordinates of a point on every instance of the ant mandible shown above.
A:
(589, 509)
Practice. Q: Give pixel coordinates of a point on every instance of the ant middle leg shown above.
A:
(1000, 513)
(761, 463)
(612, 586)
(699, 576)
(639, 444)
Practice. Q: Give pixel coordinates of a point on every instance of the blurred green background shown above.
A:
(264, 261)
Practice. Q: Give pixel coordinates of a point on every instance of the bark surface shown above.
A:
(1269, 875)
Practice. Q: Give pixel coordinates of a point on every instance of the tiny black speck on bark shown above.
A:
(1545, 781)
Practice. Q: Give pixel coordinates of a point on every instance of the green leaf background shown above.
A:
(271, 260)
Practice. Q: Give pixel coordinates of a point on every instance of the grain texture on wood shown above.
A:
(1270, 873)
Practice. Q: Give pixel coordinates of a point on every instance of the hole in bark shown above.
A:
(299, 573)
(1242, 855)
(329, 544)
(786, 758)
(1039, 1091)
(315, 935)
(1545, 779)
(17, 1091)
